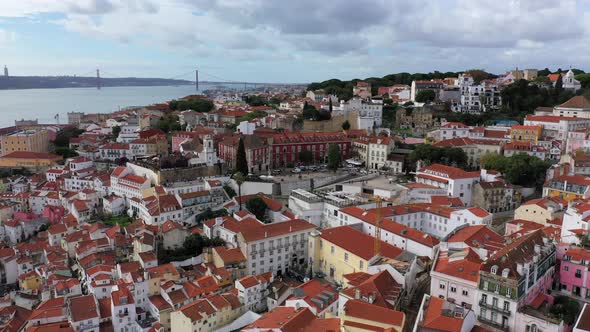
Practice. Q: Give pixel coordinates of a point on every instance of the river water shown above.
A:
(44, 104)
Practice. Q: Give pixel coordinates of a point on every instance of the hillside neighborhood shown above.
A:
(455, 202)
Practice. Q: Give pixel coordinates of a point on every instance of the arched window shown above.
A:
(494, 269)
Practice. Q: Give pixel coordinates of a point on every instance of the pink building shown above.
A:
(574, 274)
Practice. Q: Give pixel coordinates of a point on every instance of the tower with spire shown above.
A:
(5, 71)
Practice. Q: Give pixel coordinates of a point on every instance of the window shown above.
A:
(332, 250)
(506, 305)
(494, 269)
(361, 265)
(484, 298)
(465, 292)
(453, 289)
(441, 286)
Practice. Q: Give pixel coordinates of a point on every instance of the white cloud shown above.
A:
(371, 37)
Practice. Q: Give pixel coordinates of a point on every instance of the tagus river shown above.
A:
(44, 104)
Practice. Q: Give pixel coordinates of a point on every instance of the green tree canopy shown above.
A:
(241, 161)
(305, 156)
(425, 96)
(196, 104)
(116, 130)
(519, 169)
(63, 137)
(334, 157)
(346, 125)
(438, 155)
(565, 308)
(257, 207)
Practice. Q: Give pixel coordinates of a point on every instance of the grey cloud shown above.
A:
(91, 7)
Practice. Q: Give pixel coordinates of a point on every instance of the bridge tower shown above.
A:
(5, 71)
(98, 79)
(197, 79)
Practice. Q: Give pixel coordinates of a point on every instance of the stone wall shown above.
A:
(334, 124)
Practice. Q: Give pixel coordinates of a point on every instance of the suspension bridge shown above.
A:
(191, 76)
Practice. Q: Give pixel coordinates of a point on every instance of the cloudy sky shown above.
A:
(290, 40)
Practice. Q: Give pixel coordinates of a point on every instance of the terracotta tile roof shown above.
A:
(520, 250)
(358, 243)
(576, 102)
(159, 302)
(463, 265)
(479, 212)
(373, 313)
(122, 296)
(285, 319)
(31, 155)
(14, 318)
(477, 236)
(311, 289)
(448, 172)
(83, 308)
(382, 286)
(436, 320)
(251, 234)
(272, 204)
(229, 256)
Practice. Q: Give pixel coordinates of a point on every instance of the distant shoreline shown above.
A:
(64, 82)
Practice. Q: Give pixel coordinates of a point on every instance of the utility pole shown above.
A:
(98, 79)
(197, 80)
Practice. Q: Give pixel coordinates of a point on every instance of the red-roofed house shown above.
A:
(342, 250)
(541, 210)
(437, 314)
(456, 181)
(252, 290)
(362, 316)
(320, 298)
(455, 276)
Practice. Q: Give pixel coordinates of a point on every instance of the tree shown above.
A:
(258, 207)
(229, 191)
(310, 112)
(63, 137)
(66, 152)
(305, 156)
(519, 169)
(346, 125)
(565, 308)
(334, 157)
(116, 130)
(436, 155)
(241, 161)
(330, 105)
(479, 75)
(200, 105)
(240, 179)
(425, 96)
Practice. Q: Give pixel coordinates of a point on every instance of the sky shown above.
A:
(294, 41)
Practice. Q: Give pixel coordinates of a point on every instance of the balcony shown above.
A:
(493, 307)
(492, 323)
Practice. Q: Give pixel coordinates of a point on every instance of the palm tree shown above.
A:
(240, 179)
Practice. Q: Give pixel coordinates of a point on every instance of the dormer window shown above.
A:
(494, 269)
(505, 273)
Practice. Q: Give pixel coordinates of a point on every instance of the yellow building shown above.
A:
(29, 281)
(342, 250)
(528, 133)
(207, 314)
(231, 260)
(159, 273)
(540, 210)
(36, 161)
(568, 187)
(360, 316)
(24, 140)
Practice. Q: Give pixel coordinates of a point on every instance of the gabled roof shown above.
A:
(576, 102)
(464, 264)
(373, 313)
(358, 243)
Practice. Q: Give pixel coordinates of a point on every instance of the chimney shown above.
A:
(372, 297)
(265, 234)
(357, 294)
